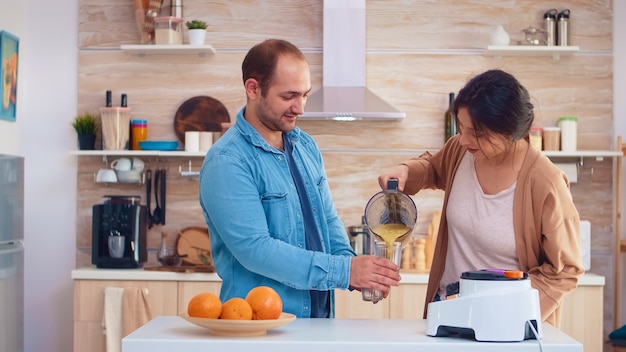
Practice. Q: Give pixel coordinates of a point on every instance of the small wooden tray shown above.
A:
(183, 269)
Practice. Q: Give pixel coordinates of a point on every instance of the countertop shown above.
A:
(171, 333)
(93, 273)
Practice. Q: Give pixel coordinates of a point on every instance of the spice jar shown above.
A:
(535, 137)
(168, 30)
(551, 138)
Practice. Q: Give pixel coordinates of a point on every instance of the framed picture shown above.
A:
(9, 52)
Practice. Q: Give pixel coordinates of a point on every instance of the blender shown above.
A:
(390, 216)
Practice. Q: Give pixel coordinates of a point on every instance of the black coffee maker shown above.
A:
(119, 233)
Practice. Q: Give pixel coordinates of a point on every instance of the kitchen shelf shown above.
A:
(531, 50)
(139, 153)
(182, 49)
(174, 153)
(583, 153)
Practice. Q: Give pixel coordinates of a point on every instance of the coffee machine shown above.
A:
(119, 233)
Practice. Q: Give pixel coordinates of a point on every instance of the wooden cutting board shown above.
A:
(200, 113)
(183, 269)
(195, 243)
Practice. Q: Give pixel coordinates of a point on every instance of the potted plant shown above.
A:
(85, 127)
(197, 31)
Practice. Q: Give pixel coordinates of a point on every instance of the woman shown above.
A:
(505, 205)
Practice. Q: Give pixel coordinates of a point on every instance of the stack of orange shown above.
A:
(261, 303)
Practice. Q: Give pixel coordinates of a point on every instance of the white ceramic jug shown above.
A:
(500, 37)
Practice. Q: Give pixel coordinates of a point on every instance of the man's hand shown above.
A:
(368, 271)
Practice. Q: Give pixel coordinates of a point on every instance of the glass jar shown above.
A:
(551, 138)
(568, 125)
(535, 137)
(168, 30)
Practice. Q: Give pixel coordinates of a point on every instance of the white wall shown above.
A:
(47, 106)
(619, 110)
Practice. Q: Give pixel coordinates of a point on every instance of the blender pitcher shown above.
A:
(390, 216)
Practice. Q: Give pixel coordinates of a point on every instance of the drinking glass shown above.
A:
(380, 250)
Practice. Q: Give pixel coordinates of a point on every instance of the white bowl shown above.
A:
(131, 176)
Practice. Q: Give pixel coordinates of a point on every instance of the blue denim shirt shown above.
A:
(253, 212)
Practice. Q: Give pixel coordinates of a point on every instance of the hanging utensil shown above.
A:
(148, 196)
(163, 202)
(156, 215)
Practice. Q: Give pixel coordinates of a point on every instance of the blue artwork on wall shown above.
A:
(9, 51)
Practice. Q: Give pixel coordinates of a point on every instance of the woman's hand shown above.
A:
(400, 172)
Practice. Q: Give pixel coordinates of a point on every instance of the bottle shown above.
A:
(450, 121)
(563, 30)
(549, 20)
(176, 8)
(163, 254)
(124, 100)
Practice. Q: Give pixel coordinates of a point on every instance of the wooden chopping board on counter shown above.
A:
(200, 113)
(183, 269)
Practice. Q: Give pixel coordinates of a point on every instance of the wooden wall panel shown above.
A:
(417, 52)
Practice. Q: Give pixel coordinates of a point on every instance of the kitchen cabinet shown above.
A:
(170, 292)
(164, 297)
(89, 305)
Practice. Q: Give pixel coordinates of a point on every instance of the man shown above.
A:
(266, 200)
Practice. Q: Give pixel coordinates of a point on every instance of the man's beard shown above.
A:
(271, 119)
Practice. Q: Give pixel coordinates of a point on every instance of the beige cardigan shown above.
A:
(545, 220)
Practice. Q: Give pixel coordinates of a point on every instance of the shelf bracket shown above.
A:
(189, 172)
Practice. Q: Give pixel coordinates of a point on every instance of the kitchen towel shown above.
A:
(125, 310)
(112, 318)
(135, 308)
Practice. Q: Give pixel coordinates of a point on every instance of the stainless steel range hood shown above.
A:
(344, 96)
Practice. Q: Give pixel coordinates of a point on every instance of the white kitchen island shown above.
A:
(173, 334)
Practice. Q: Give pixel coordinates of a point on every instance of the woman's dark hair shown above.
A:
(260, 61)
(498, 103)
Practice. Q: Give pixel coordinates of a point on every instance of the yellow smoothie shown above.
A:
(391, 233)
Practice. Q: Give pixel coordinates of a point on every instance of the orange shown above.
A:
(265, 303)
(237, 309)
(205, 305)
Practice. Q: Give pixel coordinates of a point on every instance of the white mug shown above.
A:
(122, 164)
(138, 165)
(116, 246)
(106, 176)
(206, 141)
(192, 141)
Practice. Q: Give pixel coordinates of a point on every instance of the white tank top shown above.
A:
(480, 227)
